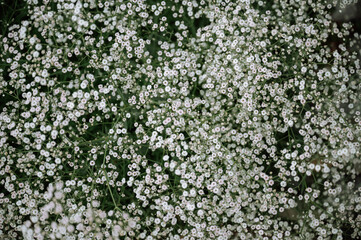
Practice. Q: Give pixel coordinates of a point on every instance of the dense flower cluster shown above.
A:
(184, 119)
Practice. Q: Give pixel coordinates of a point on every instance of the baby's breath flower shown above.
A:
(180, 120)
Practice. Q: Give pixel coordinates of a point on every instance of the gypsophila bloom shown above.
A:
(180, 119)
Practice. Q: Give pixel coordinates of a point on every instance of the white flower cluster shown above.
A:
(183, 119)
